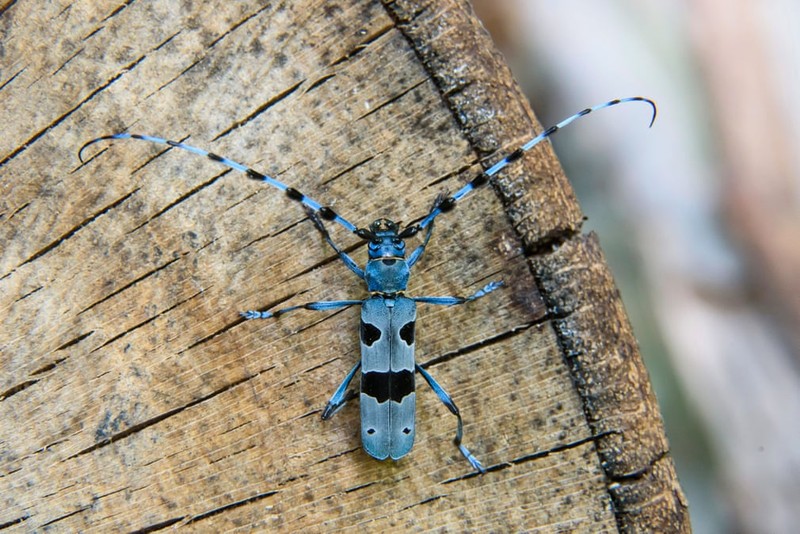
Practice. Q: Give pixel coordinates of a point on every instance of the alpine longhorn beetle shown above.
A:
(388, 316)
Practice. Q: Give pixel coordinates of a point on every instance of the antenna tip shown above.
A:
(655, 109)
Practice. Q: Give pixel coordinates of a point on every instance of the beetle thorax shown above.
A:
(387, 271)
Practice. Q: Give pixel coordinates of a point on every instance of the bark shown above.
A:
(134, 397)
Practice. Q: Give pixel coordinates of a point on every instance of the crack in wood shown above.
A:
(460, 88)
(314, 85)
(233, 28)
(359, 487)
(458, 172)
(15, 212)
(229, 455)
(184, 71)
(146, 321)
(28, 294)
(35, 137)
(424, 501)
(230, 506)
(225, 328)
(20, 519)
(498, 338)
(16, 389)
(167, 41)
(363, 45)
(65, 516)
(47, 447)
(70, 58)
(13, 76)
(321, 320)
(118, 10)
(259, 110)
(639, 473)
(149, 160)
(333, 258)
(68, 234)
(157, 419)
(7, 6)
(180, 199)
(551, 241)
(92, 33)
(176, 77)
(49, 367)
(350, 168)
(161, 525)
(391, 100)
(315, 367)
(536, 455)
(334, 456)
(132, 283)
(243, 199)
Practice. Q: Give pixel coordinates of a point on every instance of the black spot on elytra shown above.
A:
(407, 333)
(394, 385)
(369, 334)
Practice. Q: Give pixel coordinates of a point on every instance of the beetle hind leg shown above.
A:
(448, 401)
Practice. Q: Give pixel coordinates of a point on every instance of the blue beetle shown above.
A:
(388, 316)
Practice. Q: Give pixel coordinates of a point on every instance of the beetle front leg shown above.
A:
(320, 305)
(348, 261)
(454, 300)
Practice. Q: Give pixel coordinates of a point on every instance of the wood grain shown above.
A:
(132, 395)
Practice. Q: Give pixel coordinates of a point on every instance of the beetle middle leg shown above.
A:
(340, 396)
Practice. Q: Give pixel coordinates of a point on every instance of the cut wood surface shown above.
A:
(132, 394)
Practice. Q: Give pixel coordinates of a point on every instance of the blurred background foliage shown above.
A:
(698, 217)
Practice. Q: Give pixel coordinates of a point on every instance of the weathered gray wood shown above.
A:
(134, 397)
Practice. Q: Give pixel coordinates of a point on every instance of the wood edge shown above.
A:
(608, 371)
(569, 268)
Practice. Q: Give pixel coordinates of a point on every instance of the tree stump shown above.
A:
(134, 396)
